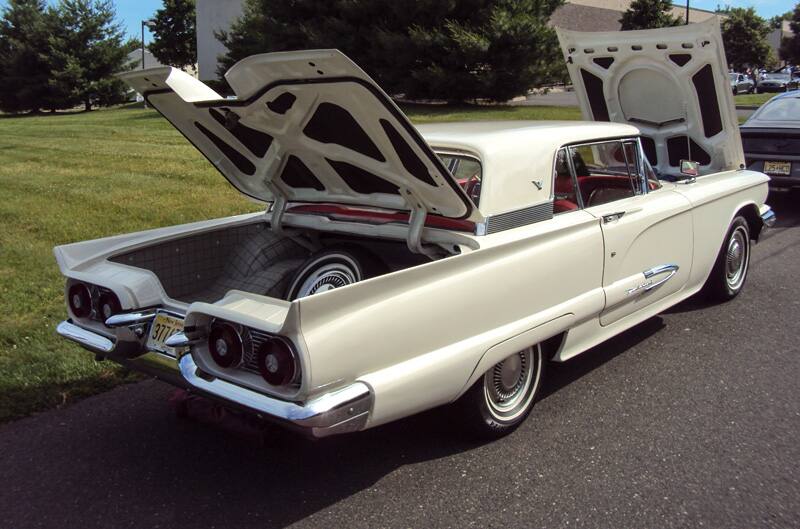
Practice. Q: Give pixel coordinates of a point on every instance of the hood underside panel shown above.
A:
(309, 127)
(671, 83)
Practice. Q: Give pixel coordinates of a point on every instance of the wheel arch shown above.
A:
(753, 217)
(549, 335)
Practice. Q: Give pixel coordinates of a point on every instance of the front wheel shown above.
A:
(504, 396)
(730, 270)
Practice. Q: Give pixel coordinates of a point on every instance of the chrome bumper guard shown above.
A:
(769, 218)
(341, 411)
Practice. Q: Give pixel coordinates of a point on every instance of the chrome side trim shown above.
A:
(649, 285)
(516, 218)
(88, 339)
(769, 218)
(340, 411)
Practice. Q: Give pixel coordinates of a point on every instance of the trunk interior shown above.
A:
(253, 258)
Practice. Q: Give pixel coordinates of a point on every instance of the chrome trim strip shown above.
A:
(769, 218)
(88, 339)
(517, 218)
(340, 411)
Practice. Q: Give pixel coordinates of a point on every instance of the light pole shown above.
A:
(148, 23)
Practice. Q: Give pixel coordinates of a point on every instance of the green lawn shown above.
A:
(72, 177)
(753, 99)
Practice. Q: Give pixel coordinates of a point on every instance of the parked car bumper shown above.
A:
(340, 411)
(764, 89)
(768, 217)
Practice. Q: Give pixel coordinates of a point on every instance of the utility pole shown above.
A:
(148, 23)
(687, 12)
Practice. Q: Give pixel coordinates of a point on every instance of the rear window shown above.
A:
(467, 172)
(784, 109)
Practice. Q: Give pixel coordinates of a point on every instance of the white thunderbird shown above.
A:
(399, 268)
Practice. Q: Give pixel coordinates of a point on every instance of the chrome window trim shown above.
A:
(636, 140)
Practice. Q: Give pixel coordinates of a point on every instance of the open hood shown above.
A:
(671, 83)
(307, 126)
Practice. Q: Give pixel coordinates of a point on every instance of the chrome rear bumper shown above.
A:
(340, 411)
(128, 354)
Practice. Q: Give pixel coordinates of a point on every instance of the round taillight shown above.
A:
(108, 305)
(225, 345)
(276, 363)
(80, 300)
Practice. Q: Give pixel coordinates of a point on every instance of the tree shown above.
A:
(649, 14)
(790, 46)
(87, 48)
(23, 44)
(425, 49)
(174, 32)
(744, 34)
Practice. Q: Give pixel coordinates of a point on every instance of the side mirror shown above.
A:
(690, 168)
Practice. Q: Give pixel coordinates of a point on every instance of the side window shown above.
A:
(607, 171)
(565, 196)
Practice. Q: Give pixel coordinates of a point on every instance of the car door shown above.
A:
(646, 227)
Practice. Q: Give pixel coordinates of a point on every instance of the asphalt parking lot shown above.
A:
(690, 419)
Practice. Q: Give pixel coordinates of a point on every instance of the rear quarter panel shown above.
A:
(417, 336)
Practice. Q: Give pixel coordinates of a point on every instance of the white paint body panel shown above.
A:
(421, 336)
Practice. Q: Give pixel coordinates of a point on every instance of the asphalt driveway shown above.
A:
(690, 419)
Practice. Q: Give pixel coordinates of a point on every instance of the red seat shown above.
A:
(562, 206)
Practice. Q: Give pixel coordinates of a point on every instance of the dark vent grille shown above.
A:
(250, 362)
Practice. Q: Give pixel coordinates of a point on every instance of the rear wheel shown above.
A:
(730, 270)
(504, 396)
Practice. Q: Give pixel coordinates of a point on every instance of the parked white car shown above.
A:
(398, 268)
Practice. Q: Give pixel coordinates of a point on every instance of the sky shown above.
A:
(131, 12)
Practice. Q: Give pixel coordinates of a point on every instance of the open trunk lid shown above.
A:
(671, 83)
(307, 126)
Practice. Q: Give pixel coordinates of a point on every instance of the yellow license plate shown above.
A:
(778, 168)
(162, 328)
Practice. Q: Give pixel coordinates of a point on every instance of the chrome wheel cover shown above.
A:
(338, 274)
(509, 387)
(737, 257)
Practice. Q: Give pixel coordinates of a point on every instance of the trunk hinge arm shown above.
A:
(416, 224)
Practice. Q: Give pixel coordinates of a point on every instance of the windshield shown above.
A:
(467, 172)
(734, 76)
(783, 109)
(778, 76)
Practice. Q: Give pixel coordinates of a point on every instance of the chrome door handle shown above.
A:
(649, 285)
(611, 217)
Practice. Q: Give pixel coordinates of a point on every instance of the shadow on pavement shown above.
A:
(124, 455)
